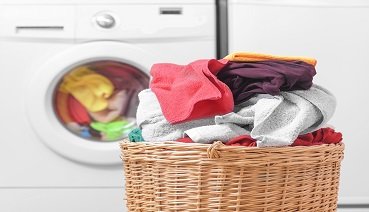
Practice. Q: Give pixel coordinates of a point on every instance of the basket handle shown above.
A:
(212, 150)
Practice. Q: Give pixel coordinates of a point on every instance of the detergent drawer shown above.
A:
(35, 21)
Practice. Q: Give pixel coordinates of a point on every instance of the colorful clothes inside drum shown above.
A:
(98, 100)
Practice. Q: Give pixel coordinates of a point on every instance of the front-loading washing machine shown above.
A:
(70, 73)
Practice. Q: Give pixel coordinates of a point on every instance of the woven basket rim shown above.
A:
(199, 146)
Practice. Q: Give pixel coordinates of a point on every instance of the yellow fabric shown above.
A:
(114, 109)
(250, 57)
(92, 90)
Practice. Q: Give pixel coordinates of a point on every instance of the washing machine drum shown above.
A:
(84, 100)
(98, 100)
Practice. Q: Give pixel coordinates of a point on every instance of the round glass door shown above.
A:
(98, 100)
(83, 99)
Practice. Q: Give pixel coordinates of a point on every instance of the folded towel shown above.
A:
(251, 56)
(278, 120)
(271, 77)
(189, 92)
(153, 123)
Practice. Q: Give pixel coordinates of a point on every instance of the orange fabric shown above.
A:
(62, 107)
(250, 57)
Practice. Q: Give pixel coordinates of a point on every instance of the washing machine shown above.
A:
(70, 73)
(336, 34)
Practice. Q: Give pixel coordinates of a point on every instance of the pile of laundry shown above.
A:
(98, 101)
(245, 99)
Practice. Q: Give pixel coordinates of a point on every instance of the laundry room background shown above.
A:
(72, 69)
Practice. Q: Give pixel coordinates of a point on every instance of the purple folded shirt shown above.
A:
(246, 79)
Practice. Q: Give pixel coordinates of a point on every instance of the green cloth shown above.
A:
(135, 135)
(113, 130)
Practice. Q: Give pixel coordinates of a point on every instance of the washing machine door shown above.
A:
(83, 101)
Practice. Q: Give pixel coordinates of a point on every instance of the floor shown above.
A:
(353, 210)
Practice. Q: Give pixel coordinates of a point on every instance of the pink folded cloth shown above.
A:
(189, 92)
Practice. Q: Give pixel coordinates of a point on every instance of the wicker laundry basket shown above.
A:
(175, 176)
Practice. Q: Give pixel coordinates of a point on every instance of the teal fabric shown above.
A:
(135, 135)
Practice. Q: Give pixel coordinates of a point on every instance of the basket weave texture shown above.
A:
(173, 176)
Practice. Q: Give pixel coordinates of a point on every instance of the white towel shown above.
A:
(271, 120)
(321, 98)
(211, 133)
(278, 121)
(153, 124)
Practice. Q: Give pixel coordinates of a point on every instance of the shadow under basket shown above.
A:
(174, 176)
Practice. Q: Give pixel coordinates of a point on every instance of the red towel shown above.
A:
(243, 140)
(189, 92)
(185, 140)
(321, 136)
